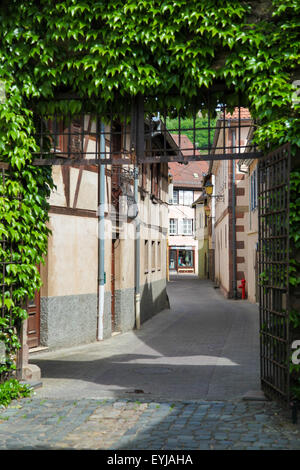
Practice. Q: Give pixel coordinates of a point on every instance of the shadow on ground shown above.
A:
(204, 347)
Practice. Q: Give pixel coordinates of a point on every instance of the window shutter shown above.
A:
(181, 201)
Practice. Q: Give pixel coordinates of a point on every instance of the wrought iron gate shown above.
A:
(273, 192)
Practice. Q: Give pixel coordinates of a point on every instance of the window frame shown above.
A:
(159, 255)
(176, 226)
(175, 202)
(146, 256)
(185, 223)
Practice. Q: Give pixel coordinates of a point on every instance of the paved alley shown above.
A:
(178, 383)
(204, 347)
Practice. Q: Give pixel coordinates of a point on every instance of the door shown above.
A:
(173, 260)
(33, 322)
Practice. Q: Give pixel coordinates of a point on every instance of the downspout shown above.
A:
(137, 252)
(101, 234)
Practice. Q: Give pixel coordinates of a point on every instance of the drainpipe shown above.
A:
(234, 232)
(101, 234)
(137, 252)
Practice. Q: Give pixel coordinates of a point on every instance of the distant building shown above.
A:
(202, 211)
(235, 202)
(251, 226)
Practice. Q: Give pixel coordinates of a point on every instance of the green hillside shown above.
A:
(200, 136)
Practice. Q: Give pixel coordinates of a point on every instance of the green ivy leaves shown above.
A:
(23, 216)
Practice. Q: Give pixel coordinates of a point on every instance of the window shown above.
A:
(188, 198)
(159, 256)
(173, 226)
(55, 128)
(146, 256)
(155, 179)
(175, 199)
(253, 190)
(153, 256)
(66, 137)
(185, 258)
(182, 197)
(187, 226)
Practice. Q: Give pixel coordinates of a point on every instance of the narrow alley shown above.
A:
(204, 347)
(181, 382)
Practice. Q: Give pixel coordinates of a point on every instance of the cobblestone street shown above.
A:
(183, 382)
(151, 425)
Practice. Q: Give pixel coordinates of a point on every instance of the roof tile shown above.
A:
(187, 174)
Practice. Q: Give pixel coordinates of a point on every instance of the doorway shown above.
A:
(33, 322)
(182, 259)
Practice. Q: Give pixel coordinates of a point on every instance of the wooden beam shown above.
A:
(124, 161)
(80, 161)
(71, 211)
(211, 157)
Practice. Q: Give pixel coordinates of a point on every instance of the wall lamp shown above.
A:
(209, 191)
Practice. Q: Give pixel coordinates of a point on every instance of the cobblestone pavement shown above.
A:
(204, 348)
(195, 365)
(135, 424)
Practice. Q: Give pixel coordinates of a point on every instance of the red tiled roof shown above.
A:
(185, 174)
(244, 114)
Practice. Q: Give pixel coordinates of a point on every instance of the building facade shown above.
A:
(187, 185)
(69, 309)
(232, 237)
(202, 212)
(249, 166)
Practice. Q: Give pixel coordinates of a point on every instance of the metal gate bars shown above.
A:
(273, 219)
